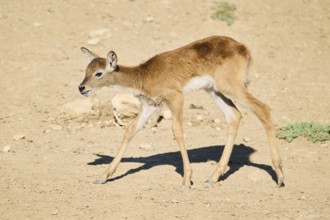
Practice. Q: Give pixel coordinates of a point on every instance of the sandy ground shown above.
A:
(55, 155)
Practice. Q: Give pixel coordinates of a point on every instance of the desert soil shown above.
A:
(50, 155)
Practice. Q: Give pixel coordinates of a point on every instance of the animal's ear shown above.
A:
(112, 60)
(88, 54)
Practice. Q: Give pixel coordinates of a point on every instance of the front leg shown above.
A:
(145, 113)
(176, 106)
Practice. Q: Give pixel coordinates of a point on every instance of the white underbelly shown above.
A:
(198, 83)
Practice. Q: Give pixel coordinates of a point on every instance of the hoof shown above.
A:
(210, 182)
(185, 187)
(280, 182)
(100, 181)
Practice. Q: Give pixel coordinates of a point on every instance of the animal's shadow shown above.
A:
(240, 157)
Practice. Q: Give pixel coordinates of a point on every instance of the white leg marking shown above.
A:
(227, 110)
(147, 111)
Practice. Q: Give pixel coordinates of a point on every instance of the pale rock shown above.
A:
(149, 19)
(55, 212)
(93, 41)
(6, 149)
(19, 136)
(37, 24)
(55, 127)
(199, 118)
(78, 106)
(125, 108)
(96, 36)
(188, 123)
(247, 139)
(145, 146)
(167, 114)
(216, 121)
(103, 33)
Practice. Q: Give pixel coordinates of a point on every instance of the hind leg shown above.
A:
(262, 111)
(233, 117)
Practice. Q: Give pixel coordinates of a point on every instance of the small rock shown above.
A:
(193, 106)
(216, 121)
(96, 36)
(145, 146)
(199, 118)
(103, 34)
(247, 139)
(174, 201)
(167, 114)
(188, 123)
(71, 130)
(47, 131)
(93, 41)
(6, 149)
(19, 137)
(55, 127)
(37, 24)
(149, 19)
(55, 212)
(78, 106)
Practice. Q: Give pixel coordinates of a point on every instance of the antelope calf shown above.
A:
(217, 64)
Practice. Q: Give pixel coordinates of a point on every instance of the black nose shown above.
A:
(81, 88)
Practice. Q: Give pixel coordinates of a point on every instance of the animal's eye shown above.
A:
(98, 74)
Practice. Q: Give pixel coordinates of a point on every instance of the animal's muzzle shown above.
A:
(81, 88)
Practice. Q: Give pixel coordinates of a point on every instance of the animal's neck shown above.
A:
(128, 78)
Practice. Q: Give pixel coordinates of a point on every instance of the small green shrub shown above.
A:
(313, 131)
(224, 11)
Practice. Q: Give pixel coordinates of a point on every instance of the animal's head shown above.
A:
(98, 71)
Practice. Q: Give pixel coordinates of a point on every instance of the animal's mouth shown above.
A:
(86, 92)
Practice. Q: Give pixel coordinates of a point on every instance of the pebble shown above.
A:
(19, 136)
(93, 41)
(167, 114)
(149, 19)
(247, 139)
(55, 212)
(103, 33)
(55, 127)
(199, 118)
(37, 24)
(174, 201)
(6, 149)
(145, 146)
(216, 121)
(96, 36)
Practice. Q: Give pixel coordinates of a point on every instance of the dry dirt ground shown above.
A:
(55, 155)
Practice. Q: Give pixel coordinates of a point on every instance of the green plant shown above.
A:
(224, 11)
(313, 131)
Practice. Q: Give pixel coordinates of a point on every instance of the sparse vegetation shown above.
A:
(224, 11)
(313, 131)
